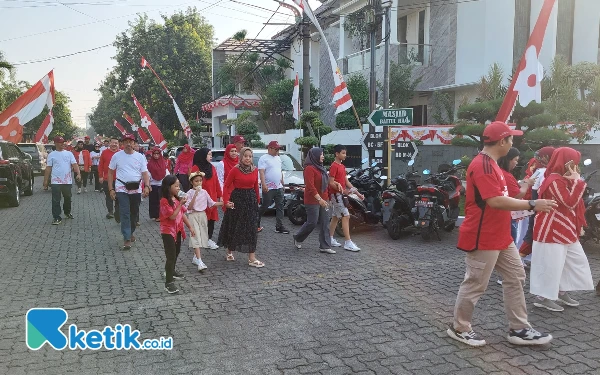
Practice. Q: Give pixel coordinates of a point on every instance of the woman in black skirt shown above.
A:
(238, 230)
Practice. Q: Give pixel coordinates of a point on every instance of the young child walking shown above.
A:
(172, 232)
(197, 201)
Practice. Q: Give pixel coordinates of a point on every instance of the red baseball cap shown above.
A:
(59, 139)
(86, 137)
(498, 130)
(274, 144)
(238, 139)
(128, 136)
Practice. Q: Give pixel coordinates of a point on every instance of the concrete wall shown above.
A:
(585, 31)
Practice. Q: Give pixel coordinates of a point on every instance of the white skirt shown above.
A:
(199, 223)
(556, 267)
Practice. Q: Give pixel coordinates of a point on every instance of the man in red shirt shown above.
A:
(338, 185)
(105, 158)
(485, 236)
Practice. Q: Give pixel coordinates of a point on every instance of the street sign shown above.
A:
(405, 151)
(391, 117)
(374, 141)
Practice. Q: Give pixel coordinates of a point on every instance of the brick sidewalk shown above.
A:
(383, 310)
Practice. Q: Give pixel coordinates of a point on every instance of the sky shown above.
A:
(29, 32)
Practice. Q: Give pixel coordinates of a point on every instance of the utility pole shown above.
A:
(306, 69)
(373, 51)
(386, 60)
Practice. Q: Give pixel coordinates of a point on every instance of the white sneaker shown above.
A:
(327, 251)
(78, 190)
(201, 265)
(334, 242)
(196, 261)
(212, 245)
(350, 246)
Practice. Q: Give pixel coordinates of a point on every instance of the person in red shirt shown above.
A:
(238, 230)
(316, 182)
(172, 232)
(339, 185)
(485, 236)
(105, 158)
(183, 166)
(558, 263)
(230, 160)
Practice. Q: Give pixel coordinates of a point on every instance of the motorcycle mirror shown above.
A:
(426, 172)
(456, 162)
(364, 160)
(383, 178)
(411, 163)
(587, 162)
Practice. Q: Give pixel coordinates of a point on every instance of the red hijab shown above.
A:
(228, 161)
(185, 158)
(531, 168)
(555, 170)
(157, 167)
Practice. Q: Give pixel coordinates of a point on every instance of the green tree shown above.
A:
(359, 91)
(311, 121)
(245, 125)
(443, 108)
(402, 84)
(5, 66)
(179, 48)
(490, 86)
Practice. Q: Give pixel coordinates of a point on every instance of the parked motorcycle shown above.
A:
(437, 202)
(398, 203)
(592, 210)
(294, 205)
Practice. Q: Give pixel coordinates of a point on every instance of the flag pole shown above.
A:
(160, 80)
(358, 119)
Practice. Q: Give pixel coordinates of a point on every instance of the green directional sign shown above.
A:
(391, 117)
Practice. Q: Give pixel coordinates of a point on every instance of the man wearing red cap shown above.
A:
(239, 142)
(59, 168)
(271, 178)
(485, 236)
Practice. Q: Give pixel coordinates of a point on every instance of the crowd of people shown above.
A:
(547, 230)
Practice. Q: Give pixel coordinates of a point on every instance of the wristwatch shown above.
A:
(531, 204)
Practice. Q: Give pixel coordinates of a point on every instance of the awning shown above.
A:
(237, 102)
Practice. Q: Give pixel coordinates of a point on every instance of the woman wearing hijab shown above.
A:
(238, 230)
(183, 167)
(558, 263)
(202, 163)
(158, 168)
(316, 181)
(230, 160)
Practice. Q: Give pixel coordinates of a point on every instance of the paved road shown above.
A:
(383, 310)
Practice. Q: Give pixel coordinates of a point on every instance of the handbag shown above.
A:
(131, 185)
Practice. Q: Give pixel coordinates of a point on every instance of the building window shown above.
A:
(419, 115)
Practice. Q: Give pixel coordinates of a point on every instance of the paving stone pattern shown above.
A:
(383, 310)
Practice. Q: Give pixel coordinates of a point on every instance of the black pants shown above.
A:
(172, 249)
(84, 179)
(154, 202)
(109, 202)
(94, 174)
(211, 228)
(58, 191)
(267, 198)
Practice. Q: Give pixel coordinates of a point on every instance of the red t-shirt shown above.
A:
(484, 227)
(171, 226)
(511, 184)
(338, 172)
(238, 180)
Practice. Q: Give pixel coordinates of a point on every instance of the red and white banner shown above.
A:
(44, 131)
(119, 126)
(143, 135)
(439, 135)
(341, 96)
(27, 107)
(147, 123)
(296, 99)
(526, 84)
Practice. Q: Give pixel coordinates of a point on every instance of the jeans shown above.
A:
(58, 191)
(267, 198)
(172, 249)
(94, 174)
(315, 214)
(154, 202)
(109, 202)
(129, 205)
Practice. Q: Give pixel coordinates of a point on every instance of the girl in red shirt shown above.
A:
(172, 219)
(238, 230)
(558, 263)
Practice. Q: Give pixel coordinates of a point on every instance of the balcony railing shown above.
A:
(407, 53)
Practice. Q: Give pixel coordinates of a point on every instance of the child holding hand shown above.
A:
(197, 202)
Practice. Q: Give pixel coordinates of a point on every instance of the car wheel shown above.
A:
(29, 190)
(15, 198)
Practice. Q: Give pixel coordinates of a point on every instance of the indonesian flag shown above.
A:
(119, 126)
(341, 96)
(44, 132)
(144, 63)
(148, 123)
(296, 99)
(98, 139)
(143, 135)
(26, 108)
(526, 85)
(184, 125)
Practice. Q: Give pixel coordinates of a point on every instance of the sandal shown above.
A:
(256, 263)
(230, 257)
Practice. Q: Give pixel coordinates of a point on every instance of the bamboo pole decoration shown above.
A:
(358, 120)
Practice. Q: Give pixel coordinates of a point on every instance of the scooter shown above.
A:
(592, 210)
(398, 202)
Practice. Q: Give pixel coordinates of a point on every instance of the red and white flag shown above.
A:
(296, 99)
(44, 131)
(143, 63)
(526, 84)
(119, 126)
(341, 96)
(147, 123)
(143, 135)
(26, 108)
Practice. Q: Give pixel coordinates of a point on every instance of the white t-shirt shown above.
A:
(61, 163)
(95, 157)
(272, 167)
(539, 173)
(129, 168)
